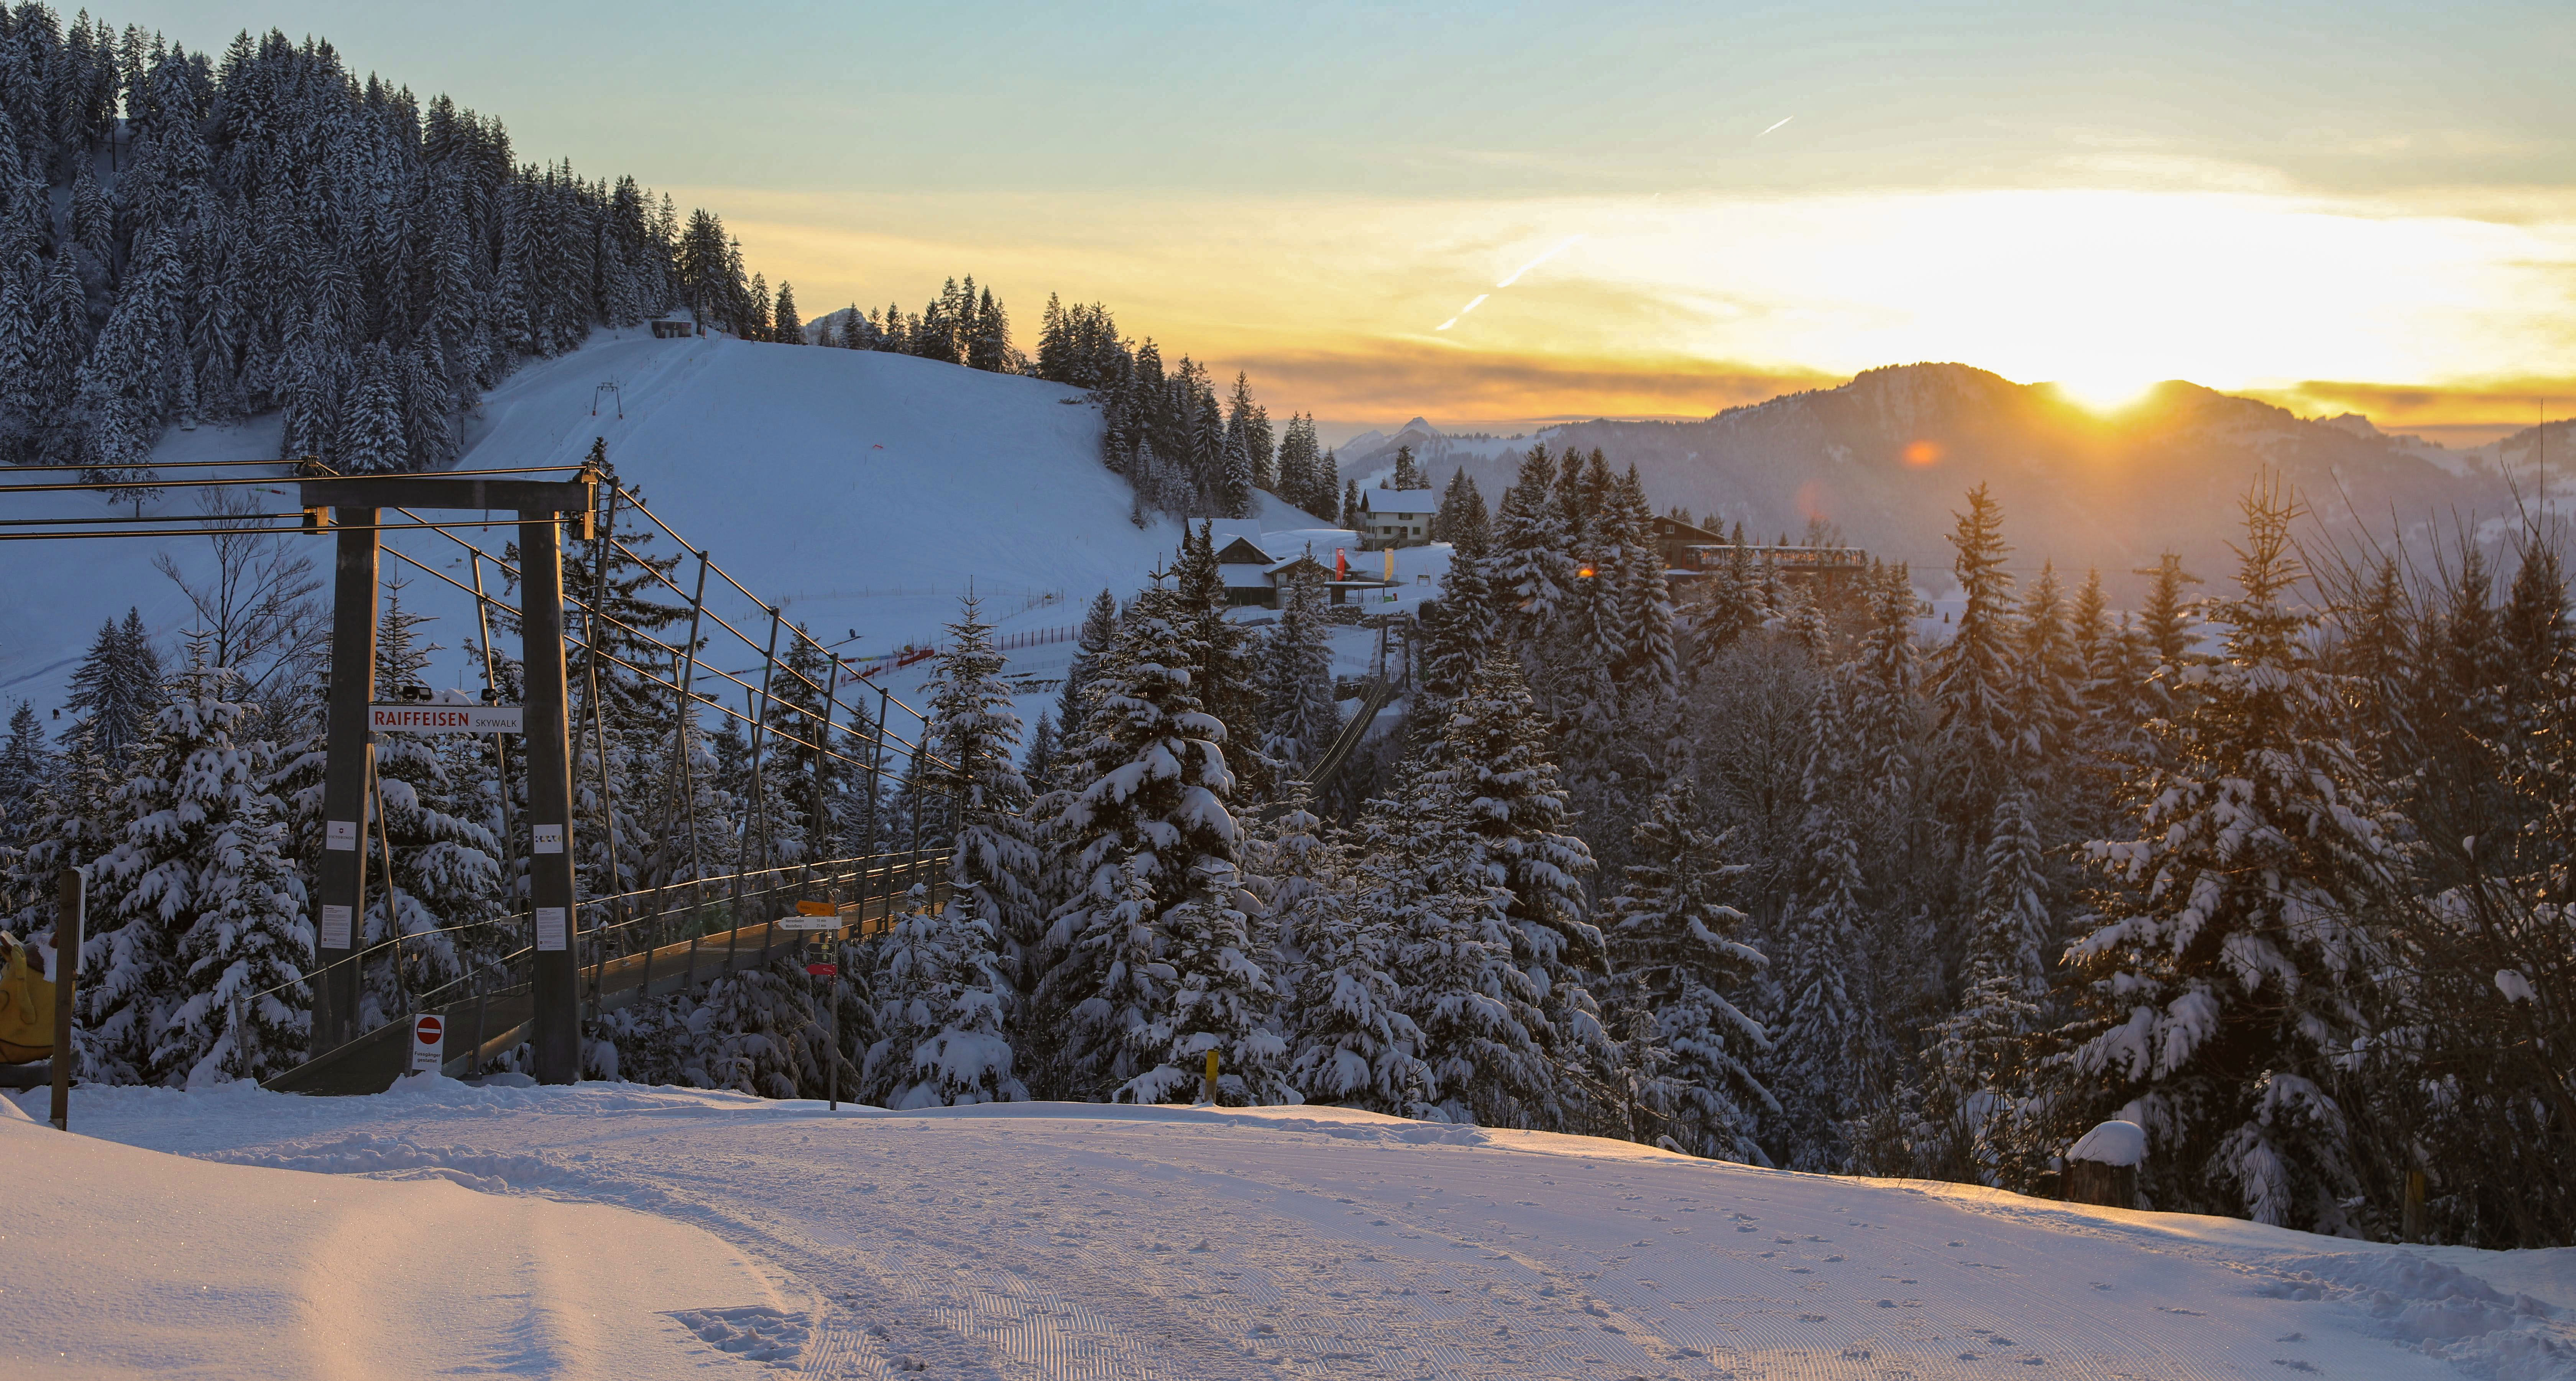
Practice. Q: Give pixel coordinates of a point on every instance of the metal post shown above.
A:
(759, 722)
(814, 852)
(592, 624)
(340, 881)
(876, 802)
(71, 897)
(557, 984)
(393, 898)
(681, 779)
(500, 742)
(832, 1027)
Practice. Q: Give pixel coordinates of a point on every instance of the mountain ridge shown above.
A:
(1886, 458)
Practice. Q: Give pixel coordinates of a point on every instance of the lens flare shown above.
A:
(1922, 453)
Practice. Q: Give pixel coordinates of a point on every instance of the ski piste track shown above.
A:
(1086, 1241)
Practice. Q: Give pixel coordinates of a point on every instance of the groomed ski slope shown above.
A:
(1060, 1240)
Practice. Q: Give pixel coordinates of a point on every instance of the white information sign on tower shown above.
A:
(446, 719)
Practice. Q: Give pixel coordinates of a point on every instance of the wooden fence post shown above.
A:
(70, 899)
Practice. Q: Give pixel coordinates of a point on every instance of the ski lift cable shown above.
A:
(98, 486)
(217, 531)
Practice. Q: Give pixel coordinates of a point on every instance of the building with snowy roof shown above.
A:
(1397, 517)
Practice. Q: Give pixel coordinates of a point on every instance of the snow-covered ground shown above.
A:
(624, 1231)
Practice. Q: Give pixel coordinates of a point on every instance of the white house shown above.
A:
(1397, 517)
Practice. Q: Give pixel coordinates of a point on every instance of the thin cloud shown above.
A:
(1394, 378)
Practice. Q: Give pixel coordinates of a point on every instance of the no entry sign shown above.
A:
(428, 1044)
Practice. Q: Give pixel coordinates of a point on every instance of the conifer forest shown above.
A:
(1750, 863)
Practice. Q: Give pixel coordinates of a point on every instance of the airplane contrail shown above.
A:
(1479, 302)
(1783, 120)
(1562, 246)
(1558, 248)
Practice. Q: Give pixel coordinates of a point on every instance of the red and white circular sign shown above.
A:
(427, 1030)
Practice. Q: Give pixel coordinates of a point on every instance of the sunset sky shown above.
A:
(2361, 206)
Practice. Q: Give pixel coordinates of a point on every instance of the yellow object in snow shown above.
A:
(26, 1005)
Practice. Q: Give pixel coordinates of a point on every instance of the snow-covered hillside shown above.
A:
(864, 490)
(611, 1230)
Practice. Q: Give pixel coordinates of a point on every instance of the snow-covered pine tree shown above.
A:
(2170, 617)
(1099, 627)
(1248, 436)
(76, 818)
(1462, 520)
(1408, 475)
(237, 925)
(2050, 694)
(1296, 463)
(1972, 676)
(1825, 1041)
(117, 688)
(2219, 988)
(1145, 824)
(1351, 1042)
(1648, 667)
(1483, 1037)
(787, 328)
(1226, 676)
(1458, 631)
(1676, 954)
(1220, 998)
(1532, 564)
(1037, 766)
(1298, 715)
(26, 766)
(988, 340)
(1504, 791)
(1976, 1087)
(943, 985)
(1884, 693)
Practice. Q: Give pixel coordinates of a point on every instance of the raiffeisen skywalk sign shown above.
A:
(417, 718)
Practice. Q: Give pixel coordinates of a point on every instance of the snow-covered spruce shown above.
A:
(1676, 956)
(2212, 1015)
(204, 938)
(1146, 835)
(941, 983)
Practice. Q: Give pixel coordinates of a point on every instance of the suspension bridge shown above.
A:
(652, 919)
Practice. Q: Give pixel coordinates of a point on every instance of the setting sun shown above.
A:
(2105, 393)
